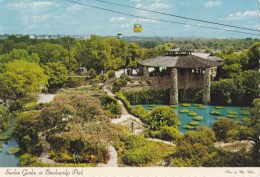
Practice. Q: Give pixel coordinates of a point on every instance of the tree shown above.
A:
(21, 77)
(57, 73)
(221, 128)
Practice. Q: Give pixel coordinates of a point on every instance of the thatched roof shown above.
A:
(195, 60)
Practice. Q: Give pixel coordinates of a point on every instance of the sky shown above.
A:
(63, 17)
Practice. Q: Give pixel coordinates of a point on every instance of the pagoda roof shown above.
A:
(194, 60)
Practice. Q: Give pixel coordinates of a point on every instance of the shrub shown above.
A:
(103, 78)
(155, 134)
(115, 89)
(141, 155)
(111, 74)
(125, 77)
(27, 159)
(140, 111)
(192, 114)
(169, 133)
(126, 103)
(148, 96)
(111, 104)
(120, 82)
(184, 111)
(162, 115)
(92, 73)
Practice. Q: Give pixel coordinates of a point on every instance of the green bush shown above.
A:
(140, 111)
(115, 89)
(120, 82)
(134, 141)
(111, 74)
(111, 104)
(126, 103)
(155, 134)
(190, 95)
(162, 115)
(141, 155)
(125, 77)
(169, 133)
(103, 78)
(148, 96)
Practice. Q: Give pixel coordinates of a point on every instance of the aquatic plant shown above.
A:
(197, 105)
(215, 112)
(185, 104)
(13, 150)
(219, 107)
(4, 137)
(184, 111)
(198, 118)
(232, 116)
(203, 107)
(189, 127)
(245, 113)
(192, 114)
(194, 123)
(233, 113)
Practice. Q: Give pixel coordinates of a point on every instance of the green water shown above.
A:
(6, 159)
(208, 119)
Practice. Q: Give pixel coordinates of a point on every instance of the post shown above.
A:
(174, 86)
(145, 72)
(206, 86)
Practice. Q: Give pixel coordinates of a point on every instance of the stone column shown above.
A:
(174, 86)
(206, 86)
(145, 72)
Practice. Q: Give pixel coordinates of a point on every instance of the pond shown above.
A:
(7, 160)
(205, 111)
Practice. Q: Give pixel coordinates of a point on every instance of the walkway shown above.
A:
(45, 98)
(127, 116)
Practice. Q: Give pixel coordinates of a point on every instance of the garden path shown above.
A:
(126, 116)
(45, 98)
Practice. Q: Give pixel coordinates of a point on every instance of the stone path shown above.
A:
(44, 157)
(45, 98)
(112, 162)
(236, 145)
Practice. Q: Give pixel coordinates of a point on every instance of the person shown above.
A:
(77, 157)
(132, 127)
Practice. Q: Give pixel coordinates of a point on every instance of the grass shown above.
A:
(4, 138)
(185, 104)
(192, 114)
(198, 118)
(27, 114)
(13, 150)
(184, 111)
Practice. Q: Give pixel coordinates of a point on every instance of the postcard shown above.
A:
(142, 88)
